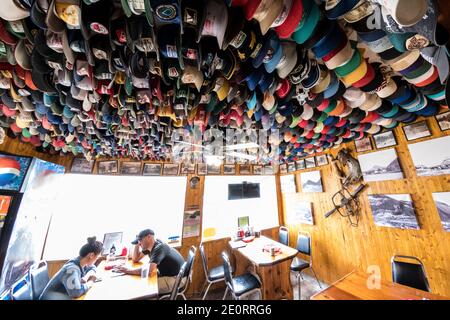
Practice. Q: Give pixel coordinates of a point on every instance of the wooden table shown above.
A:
(354, 287)
(122, 287)
(274, 271)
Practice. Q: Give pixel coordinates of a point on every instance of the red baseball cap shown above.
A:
(5, 36)
(293, 19)
(250, 8)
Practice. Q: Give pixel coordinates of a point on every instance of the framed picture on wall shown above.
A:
(201, 169)
(431, 157)
(245, 169)
(300, 164)
(380, 165)
(443, 120)
(321, 160)
(310, 162)
(108, 167)
(393, 210)
(269, 170)
(81, 165)
(416, 130)
(152, 169)
(363, 145)
(213, 169)
(170, 169)
(130, 168)
(283, 168)
(384, 139)
(187, 168)
(291, 166)
(311, 181)
(258, 170)
(229, 169)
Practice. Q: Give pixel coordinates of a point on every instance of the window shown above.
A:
(223, 214)
(96, 205)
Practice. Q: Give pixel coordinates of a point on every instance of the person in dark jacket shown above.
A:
(76, 277)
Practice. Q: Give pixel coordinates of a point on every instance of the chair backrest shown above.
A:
(204, 260)
(408, 273)
(283, 235)
(227, 271)
(39, 279)
(176, 289)
(21, 290)
(304, 243)
(190, 262)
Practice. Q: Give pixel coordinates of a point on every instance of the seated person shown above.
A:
(164, 258)
(76, 277)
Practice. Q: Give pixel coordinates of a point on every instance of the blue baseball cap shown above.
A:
(273, 56)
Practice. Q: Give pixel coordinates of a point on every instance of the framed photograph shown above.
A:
(14, 169)
(112, 243)
(443, 120)
(213, 169)
(283, 168)
(311, 181)
(245, 169)
(431, 157)
(108, 167)
(363, 145)
(229, 169)
(380, 166)
(298, 211)
(300, 164)
(269, 170)
(152, 169)
(171, 169)
(187, 168)
(287, 184)
(322, 160)
(310, 162)
(291, 166)
(132, 168)
(257, 170)
(201, 169)
(393, 210)
(384, 139)
(416, 130)
(81, 165)
(442, 202)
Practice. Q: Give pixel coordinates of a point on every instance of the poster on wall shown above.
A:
(311, 181)
(380, 165)
(288, 184)
(13, 170)
(431, 157)
(298, 211)
(393, 210)
(24, 247)
(191, 223)
(5, 202)
(442, 202)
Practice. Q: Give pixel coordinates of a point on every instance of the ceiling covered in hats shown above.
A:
(130, 78)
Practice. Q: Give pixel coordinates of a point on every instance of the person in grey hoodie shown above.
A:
(76, 277)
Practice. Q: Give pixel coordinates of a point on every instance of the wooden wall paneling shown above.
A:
(339, 248)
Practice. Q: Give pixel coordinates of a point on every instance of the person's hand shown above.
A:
(92, 278)
(123, 269)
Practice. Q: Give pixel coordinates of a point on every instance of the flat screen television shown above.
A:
(245, 190)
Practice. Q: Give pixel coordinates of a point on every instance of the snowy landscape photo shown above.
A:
(393, 210)
(380, 165)
(298, 211)
(442, 202)
(311, 181)
(431, 157)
